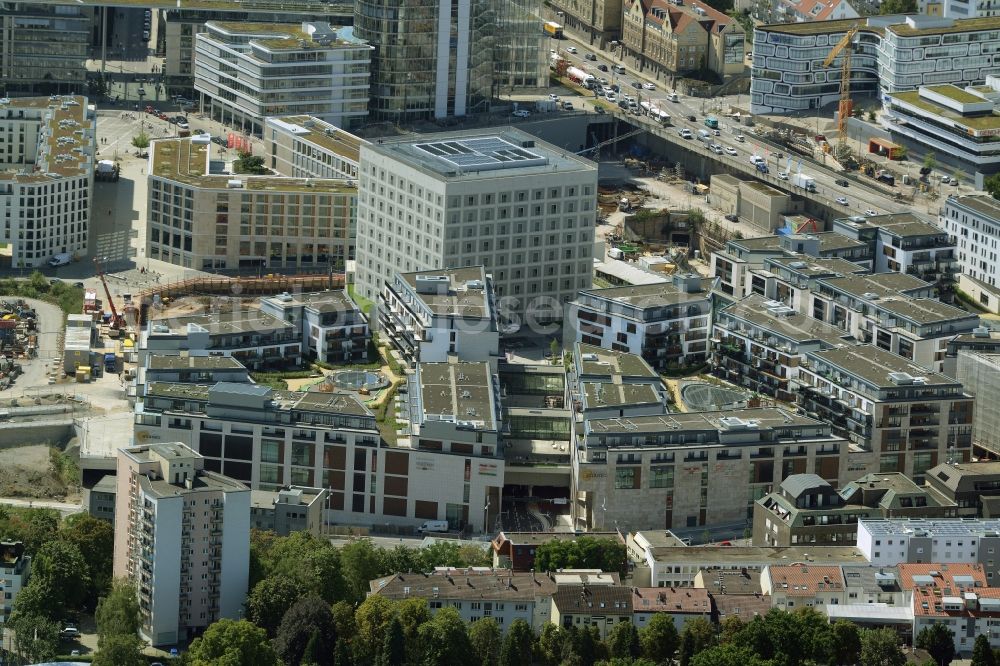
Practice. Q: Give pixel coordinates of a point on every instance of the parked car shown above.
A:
(782, 175)
(567, 106)
(521, 113)
(70, 632)
(733, 218)
(599, 109)
(637, 85)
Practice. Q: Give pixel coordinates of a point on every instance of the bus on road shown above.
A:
(712, 122)
(553, 29)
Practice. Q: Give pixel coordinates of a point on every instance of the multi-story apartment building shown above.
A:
(47, 147)
(898, 416)
(610, 384)
(974, 487)
(601, 606)
(668, 324)
(973, 222)
(599, 22)
(182, 537)
(669, 39)
(308, 147)
(961, 9)
(980, 374)
(895, 312)
(799, 11)
(433, 315)
(788, 76)
(658, 472)
(15, 567)
(201, 218)
(433, 61)
(246, 72)
(893, 542)
(761, 343)
(807, 510)
(100, 499)
(43, 48)
(289, 509)
(331, 326)
(903, 243)
(254, 338)
(982, 340)
(679, 605)
(792, 587)
(478, 198)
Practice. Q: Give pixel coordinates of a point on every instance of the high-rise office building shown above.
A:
(43, 48)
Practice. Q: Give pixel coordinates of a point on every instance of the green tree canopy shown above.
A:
(516, 650)
(120, 650)
(95, 539)
(118, 613)
(939, 641)
(582, 553)
(232, 643)
(270, 599)
(251, 164)
(309, 614)
(623, 641)
(697, 636)
(60, 570)
(982, 653)
(36, 637)
(141, 141)
(880, 647)
(486, 640)
(659, 639)
(393, 644)
(444, 641)
(846, 641)
(898, 7)
(992, 185)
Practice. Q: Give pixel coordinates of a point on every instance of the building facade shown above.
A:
(331, 326)
(916, 541)
(182, 537)
(973, 222)
(475, 199)
(431, 316)
(47, 147)
(289, 509)
(204, 219)
(666, 324)
(43, 48)
(15, 567)
(308, 147)
(249, 71)
(980, 374)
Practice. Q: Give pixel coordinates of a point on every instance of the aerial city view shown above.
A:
(500, 332)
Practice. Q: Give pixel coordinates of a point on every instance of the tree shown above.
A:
(898, 7)
(270, 599)
(342, 653)
(117, 613)
(516, 650)
(486, 640)
(412, 613)
(59, 568)
(95, 540)
(982, 653)
(300, 556)
(308, 614)
(393, 644)
(846, 641)
(120, 650)
(444, 641)
(552, 643)
(582, 553)
(930, 160)
(251, 164)
(343, 619)
(36, 637)
(659, 639)
(141, 141)
(992, 185)
(880, 647)
(360, 562)
(372, 618)
(729, 655)
(939, 641)
(730, 628)
(232, 643)
(697, 636)
(623, 641)
(587, 646)
(311, 655)
(554, 351)
(957, 176)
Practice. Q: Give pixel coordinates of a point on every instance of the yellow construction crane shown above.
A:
(846, 106)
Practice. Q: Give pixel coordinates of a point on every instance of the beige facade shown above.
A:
(725, 193)
(202, 219)
(666, 40)
(308, 147)
(598, 20)
(763, 206)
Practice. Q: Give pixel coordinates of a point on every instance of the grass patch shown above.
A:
(968, 300)
(276, 380)
(385, 416)
(363, 303)
(67, 297)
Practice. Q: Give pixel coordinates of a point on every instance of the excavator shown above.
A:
(117, 323)
(846, 106)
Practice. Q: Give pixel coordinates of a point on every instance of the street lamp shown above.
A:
(486, 510)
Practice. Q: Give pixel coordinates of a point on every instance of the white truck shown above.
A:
(807, 183)
(60, 259)
(433, 526)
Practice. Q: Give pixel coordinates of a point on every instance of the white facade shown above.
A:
(894, 541)
(973, 221)
(332, 327)
(308, 147)
(249, 71)
(523, 209)
(182, 536)
(15, 567)
(47, 150)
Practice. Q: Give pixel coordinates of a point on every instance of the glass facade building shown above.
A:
(43, 48)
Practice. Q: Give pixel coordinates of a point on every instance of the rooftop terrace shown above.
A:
(599, 362)
(878, 367)
(321, 133)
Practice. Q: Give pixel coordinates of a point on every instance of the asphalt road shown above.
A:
(860, 198)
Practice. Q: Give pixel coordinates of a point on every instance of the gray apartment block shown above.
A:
(980, 374)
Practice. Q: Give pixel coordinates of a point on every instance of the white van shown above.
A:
(433, 526)
(703, 135)
(618, 69)
(60, 259)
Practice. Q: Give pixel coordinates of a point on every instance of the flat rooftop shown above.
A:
(942, 527)
(874, 366)
(204, 481)
(609, 394)
(482, 154)
(979, 121)
(466, 295)
(913, 29)
(457, 392)
(791, 326)
(903, 225)
(983, 204)
(316, 402)
(187, 161)
(812, 267)
(880, 284)
(250, 320)
(829, 242)
(731, 420)
(66, 142)
(302, 36)
(817, 27)
(649, 295)
(164, 362)
(322, 134)
(334, 300)
(923, 311)
(599, 362)
(754, 556)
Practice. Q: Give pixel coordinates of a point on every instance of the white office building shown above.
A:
(246, 72)
(893, 541)
(46, 177)
(308, 147)
(973, 221)
(523, 209)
